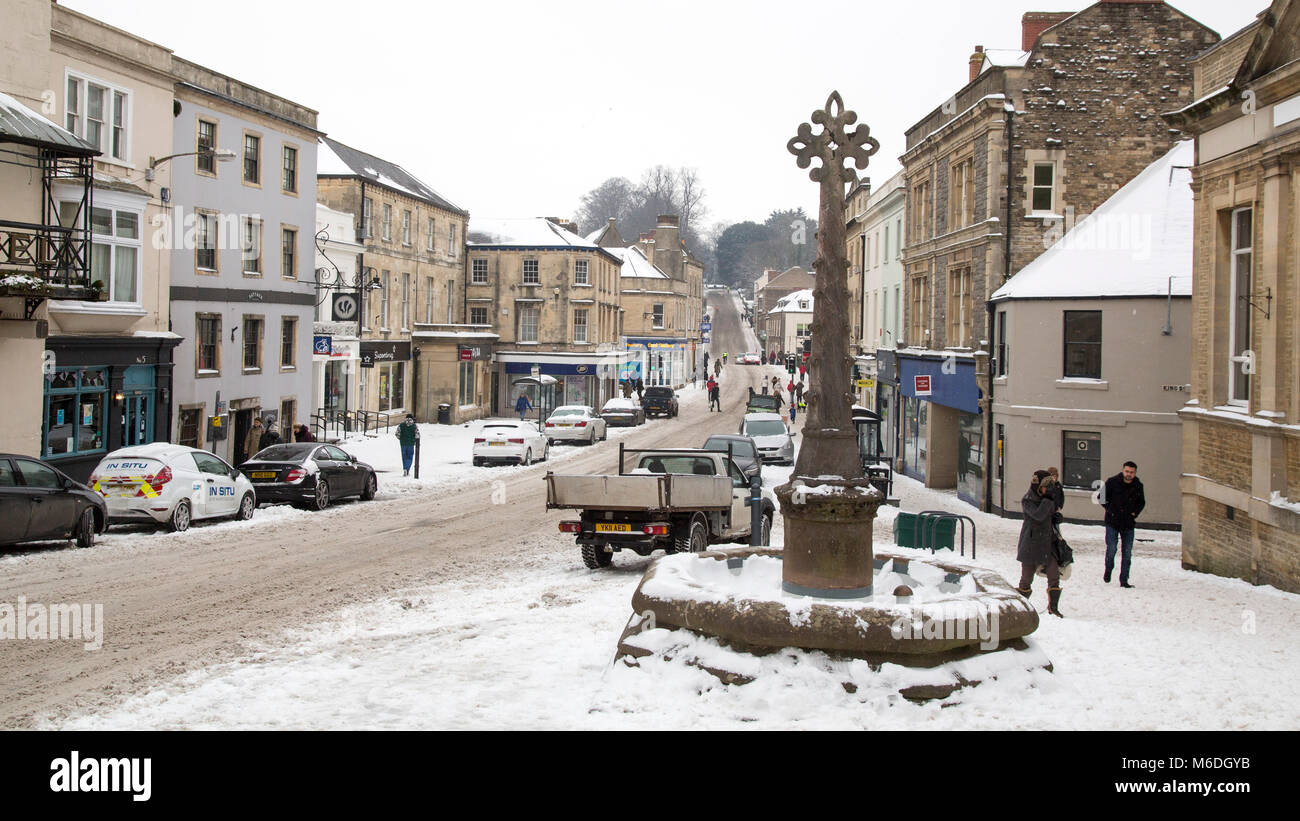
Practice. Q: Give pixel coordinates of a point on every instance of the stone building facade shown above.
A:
(1241, 428)
(552, 299)
(661, 292)
(1033, 142)
(777, 287)
(414, 270)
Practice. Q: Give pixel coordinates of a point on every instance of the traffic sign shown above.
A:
(706, 326)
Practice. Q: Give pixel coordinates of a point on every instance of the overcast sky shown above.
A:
(519, 108)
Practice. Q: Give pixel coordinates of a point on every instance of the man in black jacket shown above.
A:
(1123, 499)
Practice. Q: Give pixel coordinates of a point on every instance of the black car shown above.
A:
(308, 474)
(38, 503)
(659, 401)
(744, 452)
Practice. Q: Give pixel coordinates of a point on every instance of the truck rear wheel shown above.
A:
(694, 538)
(596, 556)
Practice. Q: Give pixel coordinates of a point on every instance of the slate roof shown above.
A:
(19, 124)
(337, 159)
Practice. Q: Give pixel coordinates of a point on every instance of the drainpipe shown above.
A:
(989, 427)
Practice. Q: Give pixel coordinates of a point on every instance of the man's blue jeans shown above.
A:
(1114, 536)
(408, 456)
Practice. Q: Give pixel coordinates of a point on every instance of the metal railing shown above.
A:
(927, 524)
(329, 422)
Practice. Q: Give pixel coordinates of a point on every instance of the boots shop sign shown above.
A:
(380, 352)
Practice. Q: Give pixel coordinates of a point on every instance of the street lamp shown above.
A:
(219, 154)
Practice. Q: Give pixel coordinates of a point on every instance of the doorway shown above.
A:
(243, 422)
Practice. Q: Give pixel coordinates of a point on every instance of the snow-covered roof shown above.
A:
(333, 157)
(1003, 58)
(525, 232)
(1130, 246)
(636, 265)
(790, 302)
(594, 236)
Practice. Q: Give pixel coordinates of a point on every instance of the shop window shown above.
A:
(76, 411)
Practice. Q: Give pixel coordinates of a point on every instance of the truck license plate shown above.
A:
(613, 528)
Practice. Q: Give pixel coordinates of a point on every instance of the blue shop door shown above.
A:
(139, 395)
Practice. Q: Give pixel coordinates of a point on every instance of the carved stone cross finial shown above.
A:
(834, 145)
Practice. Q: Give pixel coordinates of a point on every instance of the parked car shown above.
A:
(775, 441)
(38, 502)
(171, 484)
(659, 400)
(620, 411)
(509, 441)
(744, 452)
(309, 474)
(575, 423)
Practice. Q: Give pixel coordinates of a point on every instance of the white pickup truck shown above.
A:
(678, 499)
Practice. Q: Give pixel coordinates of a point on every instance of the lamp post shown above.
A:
(218, 154)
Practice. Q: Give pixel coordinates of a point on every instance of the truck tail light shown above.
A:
(515, 441)
(655, 530)
(295, 475)
(570, 527)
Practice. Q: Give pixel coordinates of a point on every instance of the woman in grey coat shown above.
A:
(1037, 537)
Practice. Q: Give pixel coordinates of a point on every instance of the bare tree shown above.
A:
(614, 197)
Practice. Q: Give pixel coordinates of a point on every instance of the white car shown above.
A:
(575, 423)
(751, 358)
(774, 440)
(518, 442)
(170, 484)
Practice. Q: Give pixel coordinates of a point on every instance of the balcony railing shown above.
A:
(44, 260)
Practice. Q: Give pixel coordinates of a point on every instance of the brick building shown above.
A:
(1032, 142)
(1241, 428)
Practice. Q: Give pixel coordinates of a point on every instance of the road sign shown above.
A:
(345, 308)
(921, 384)
(706, 326)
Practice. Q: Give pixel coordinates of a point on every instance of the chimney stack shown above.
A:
(976, 60)
(668, 246)
(1034, 23)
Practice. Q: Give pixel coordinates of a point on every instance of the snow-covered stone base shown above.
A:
(717, 610)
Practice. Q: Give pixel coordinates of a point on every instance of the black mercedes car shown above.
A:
(308, 474)
(38, 502)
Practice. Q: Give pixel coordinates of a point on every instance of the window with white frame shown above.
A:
(451, 240)
(528, 323)
(478, 316)
(367, 218)
(251, 245)
(252, 159)
(451, 301)
(406, 227)
(428, 299)
(428, 236)
(100, 114)
(478, 272)
(658, 316)
(1239, 290)
(406, 301)
(383, 301)
(532, 276)
(206, 144)
(580, 325)
(289, 253)
(289, 171)
(1043, 192)
(115, 252)
(205, 241)
(387, 225)
(580, 276)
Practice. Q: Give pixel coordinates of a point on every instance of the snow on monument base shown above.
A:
(931, 628)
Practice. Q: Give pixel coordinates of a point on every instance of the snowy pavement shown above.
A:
(530, 645)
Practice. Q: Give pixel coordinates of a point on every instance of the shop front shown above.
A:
(101, 394)
(658, 360)
(888, 403)
(943, 443)
(580, 379)
(334, 373)
(385, 369)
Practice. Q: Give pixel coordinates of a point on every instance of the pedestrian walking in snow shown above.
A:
(270, 436)
(715, 395)
(523, 406)
(640, 389)
(798, 395)
(1124, 499)
(407, 435)
(303, 434)
(1036, 548)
